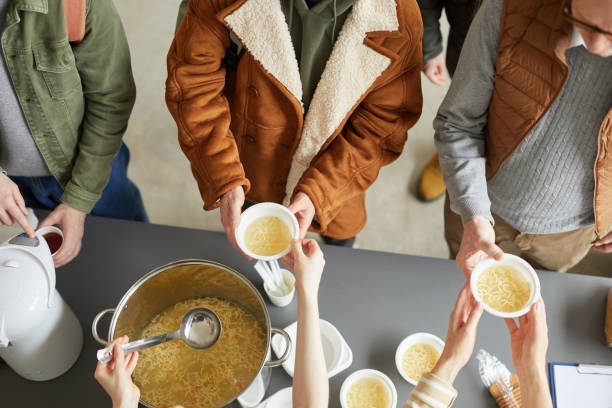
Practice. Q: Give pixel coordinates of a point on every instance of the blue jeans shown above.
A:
(120, 199)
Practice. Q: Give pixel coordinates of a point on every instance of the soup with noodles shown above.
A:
(419, 359)
(503, 288)
(175, 374)
(368, 393)
(267, 236)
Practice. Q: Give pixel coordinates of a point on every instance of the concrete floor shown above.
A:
(397, 221)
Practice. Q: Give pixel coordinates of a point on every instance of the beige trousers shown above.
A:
(555, 252)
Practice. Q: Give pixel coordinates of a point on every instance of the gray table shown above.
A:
(375, 299)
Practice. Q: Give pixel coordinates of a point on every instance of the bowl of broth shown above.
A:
(506, 288)
(368, 389)
(266, 230)
(418, 354)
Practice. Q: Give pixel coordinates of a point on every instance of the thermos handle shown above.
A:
(94, 326)
(285, 356)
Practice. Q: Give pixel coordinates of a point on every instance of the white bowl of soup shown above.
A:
(368, 389)
(417, 354)
(506, 288)
(266, 230)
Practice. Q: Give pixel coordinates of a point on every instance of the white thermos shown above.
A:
(40, 337)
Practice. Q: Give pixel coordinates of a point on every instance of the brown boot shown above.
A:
(431, 183)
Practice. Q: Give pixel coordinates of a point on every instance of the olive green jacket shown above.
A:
(76, 98)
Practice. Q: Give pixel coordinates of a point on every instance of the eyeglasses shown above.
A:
(581, 24)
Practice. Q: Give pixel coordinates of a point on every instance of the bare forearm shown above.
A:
(126, 403)
(534, 388)
(310, 385)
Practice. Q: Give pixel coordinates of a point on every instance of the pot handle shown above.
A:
(285, 356)
(94, 326)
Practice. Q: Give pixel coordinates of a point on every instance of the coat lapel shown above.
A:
(350, 71)
(261, 27)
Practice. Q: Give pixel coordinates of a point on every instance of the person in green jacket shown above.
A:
(64, 108)
(460, 14)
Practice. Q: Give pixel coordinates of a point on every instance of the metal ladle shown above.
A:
(200, 329)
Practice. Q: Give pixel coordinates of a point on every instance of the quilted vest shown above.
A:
(531, 71)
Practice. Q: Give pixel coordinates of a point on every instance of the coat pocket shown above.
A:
(57, 65)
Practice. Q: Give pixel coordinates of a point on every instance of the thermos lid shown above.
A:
(27, 284)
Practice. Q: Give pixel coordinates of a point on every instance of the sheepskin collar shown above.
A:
(261, 27)
(351, 70)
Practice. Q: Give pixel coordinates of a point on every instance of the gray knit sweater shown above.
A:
(546, 186)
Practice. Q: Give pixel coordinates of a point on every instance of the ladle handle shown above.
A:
(106, 355)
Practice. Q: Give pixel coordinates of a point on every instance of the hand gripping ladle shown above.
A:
(200, 329)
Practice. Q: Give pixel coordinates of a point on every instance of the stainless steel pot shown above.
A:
(183, 280)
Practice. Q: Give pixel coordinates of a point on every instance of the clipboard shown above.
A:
(573, 385)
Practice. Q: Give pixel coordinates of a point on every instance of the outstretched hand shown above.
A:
(231, 209)
(115, 376)
(461, 336)
(304, 211)
(529, 343)
(478, 242)
(529, 340)
(307, 261)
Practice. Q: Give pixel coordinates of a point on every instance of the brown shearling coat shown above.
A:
(246, 127)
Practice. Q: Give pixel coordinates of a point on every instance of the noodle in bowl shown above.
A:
(159, 297)
(275, 214)
(506, 288)
(368, 388)
(407, 361)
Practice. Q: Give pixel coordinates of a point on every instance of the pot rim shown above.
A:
(136, 285)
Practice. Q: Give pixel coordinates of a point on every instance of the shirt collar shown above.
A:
(577, 39)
